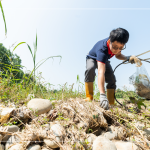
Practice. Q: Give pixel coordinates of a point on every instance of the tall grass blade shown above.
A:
(45, 61)
(78, 79)
(35, 50)
(3, 17)
(36, 41)
(27, 45)
(18, 45)
(30, 50)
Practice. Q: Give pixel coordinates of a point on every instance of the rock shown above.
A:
(16, 147)
(32, 136)
(102, 143)
(139, 125)
(146, 133)
(12, 140)
(91, 138)
(110, 135)
(51, 143)
(39, 106)
(46, 126)
(22, 113)
(34, 147)
(58, 131)
(5, 113)
(12, 128)
(121, 145)
(1, 147)
(119, 133)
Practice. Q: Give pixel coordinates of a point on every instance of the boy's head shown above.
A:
(118, 38)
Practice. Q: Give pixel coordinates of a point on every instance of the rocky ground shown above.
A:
(72, 125)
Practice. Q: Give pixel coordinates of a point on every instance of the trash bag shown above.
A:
(141, 82)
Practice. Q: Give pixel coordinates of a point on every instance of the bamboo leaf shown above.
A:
(3, 17)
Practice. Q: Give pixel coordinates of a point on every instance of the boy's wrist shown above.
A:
(127, 57)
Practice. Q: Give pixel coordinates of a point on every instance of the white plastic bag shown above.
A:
(141, 81)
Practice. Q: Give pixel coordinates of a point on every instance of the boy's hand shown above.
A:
(134, 60)
(104, 101)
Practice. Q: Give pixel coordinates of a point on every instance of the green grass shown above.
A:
(3, 17)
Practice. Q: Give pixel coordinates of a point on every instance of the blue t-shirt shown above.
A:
(100, 51)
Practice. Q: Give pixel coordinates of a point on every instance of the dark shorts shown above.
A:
(91, 65)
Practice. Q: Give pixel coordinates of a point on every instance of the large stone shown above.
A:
(16, 147)
(39, 106)
(118, 133)
(102, 143)
(59, 134)
(12, 128)
(13, 139)
(5, 113)
(58, 131)
(146, 133)
(110, 135)
(91, 138)
(125, 145)
(34, 147)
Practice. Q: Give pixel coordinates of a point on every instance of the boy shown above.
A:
(98, 58)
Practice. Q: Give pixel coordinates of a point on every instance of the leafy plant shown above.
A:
(79, 86)
(33, 54)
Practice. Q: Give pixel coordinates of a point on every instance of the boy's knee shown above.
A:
(90, 74)
(111, 85)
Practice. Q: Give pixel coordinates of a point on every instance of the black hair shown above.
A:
(120, 35)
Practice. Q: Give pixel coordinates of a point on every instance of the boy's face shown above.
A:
(116, 47)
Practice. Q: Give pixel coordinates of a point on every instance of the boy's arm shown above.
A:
(101, 76)
(101, 80)
(121, 56)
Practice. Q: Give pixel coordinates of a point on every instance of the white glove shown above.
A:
(134, 60)
(104, 101)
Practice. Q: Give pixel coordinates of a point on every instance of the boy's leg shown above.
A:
(91, 65)
(111, 83)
